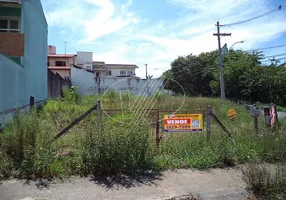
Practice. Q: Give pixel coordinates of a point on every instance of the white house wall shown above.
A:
(82, 78)
(116, 72)
(84, 57)
(90, 85)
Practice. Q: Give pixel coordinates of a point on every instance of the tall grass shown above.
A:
(119, 145)
(119, 148)
(266, 182)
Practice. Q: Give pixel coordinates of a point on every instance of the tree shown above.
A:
(245, 77)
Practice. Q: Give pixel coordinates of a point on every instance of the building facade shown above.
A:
(23, 53)
(89, 84)
(60, 63)
(84, 59)
(113, 70)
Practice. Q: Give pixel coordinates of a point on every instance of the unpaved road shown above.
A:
(210, 184)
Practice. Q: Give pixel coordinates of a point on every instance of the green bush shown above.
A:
(71, 95)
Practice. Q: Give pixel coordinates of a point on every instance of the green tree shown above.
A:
(245, 77)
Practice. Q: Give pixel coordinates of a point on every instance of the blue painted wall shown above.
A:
(18, 83)
(12, 84)
(35, 29)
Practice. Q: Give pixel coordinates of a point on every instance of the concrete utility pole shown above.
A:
(146, 71)
(65, 47)
(218, 34)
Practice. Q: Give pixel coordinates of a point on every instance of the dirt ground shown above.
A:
(209, 184)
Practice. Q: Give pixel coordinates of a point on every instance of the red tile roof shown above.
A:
(59, 68)
(62, 55)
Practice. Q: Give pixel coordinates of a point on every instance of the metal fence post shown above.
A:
(209, 114)
(98, 112)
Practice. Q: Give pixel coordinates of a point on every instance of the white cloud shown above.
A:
(130, 38)
(94, 18)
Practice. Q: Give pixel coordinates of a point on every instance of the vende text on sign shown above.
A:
(183, 123)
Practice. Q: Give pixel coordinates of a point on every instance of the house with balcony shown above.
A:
(23, 54)
(119, 70)
(60, 63)
(100, 69)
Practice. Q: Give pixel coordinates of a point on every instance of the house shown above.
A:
(112, 70)
(84, 61)
(23, 53)
(60, 63)
(100, 69)
(120, 70)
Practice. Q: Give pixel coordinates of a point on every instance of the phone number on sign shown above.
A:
(178, 127)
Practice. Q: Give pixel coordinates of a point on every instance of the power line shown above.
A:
(259, 16)
(282, 54)
(272, 47)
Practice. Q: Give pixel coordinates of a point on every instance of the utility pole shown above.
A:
(65, 47)
(146, 71)
(218, 34)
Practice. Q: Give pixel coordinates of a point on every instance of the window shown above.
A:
(60, 63)
(108, 73)
(10, 25)
(3, 25)
(122, 73)
(129, 73)
(48, 63)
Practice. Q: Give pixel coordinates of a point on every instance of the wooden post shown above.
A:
(157, 127)
(32, 102)
(98, 113)
(255, 114)
(256, 123)
(209, 114)
(276, 114)
(76, 121)
(267, 116)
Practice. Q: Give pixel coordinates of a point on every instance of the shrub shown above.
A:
(71, 95)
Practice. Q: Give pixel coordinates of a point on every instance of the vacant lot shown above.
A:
(124, 141)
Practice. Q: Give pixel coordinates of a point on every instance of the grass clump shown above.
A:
(266, 182)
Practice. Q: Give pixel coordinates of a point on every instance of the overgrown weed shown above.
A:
(266, 182)
(117, 147)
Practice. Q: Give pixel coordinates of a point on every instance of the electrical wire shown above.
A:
(259, 16)
(272, 47)
(282, 54)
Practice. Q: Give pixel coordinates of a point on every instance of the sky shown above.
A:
(155, 32)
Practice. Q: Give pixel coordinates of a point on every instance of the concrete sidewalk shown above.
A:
(211, 184)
